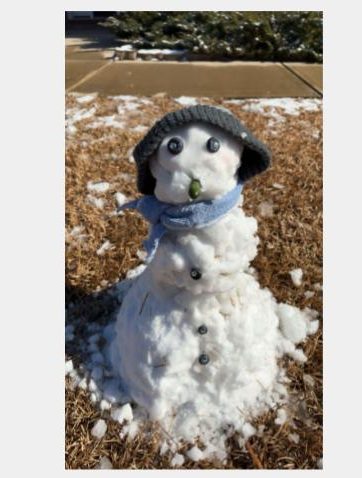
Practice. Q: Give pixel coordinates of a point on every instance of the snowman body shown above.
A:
(197, 338)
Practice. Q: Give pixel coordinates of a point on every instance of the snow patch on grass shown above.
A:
(106, 246)
(120, 199)
(187, 100)
(281, 417)
(97, 186)
(177, 460)
(86, 98)
(195, 454)
(107, 122)
(296, 276)
(99, 429)
(97, 202)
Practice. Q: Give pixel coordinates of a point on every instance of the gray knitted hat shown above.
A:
(255, 156)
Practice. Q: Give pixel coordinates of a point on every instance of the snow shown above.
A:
(177, 460)
(129, 430)
(123, 413)
(248, 430)
(317, 286)
(104, 464)
(320, 463)
(157, 51)
(194, 454)
(139, 128)
(163, 449)
(141, 255)
(107, 122)
(86, 98)
(297, 276)
(173, 173)
(278, 108)
(281, 417)
(270, 106)
(125, 48)
(68, 367)
(187, 100)
(104, 405)
(83, 384)
(156, 347)
(97, 202)
(73, 115)
(308, 380)
(76, 234)
(120, 199)
(308, 294)
(99, 429)
(294, 322)
(266, 209)
(106, 246)
(98, 186)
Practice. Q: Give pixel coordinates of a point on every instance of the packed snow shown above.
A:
(281, 416)
(296, 276)
(99, 429)
(177, 460)
(123, 413)
(104, 464)
(195, 454)
(157, 349)
(120, 199)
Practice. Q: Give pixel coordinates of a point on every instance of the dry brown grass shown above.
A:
(290, 238)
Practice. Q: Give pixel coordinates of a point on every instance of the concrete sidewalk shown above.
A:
(89, 68)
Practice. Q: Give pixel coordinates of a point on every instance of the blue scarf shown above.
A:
(163, 216)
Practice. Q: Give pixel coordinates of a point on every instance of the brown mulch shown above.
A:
(291, 237)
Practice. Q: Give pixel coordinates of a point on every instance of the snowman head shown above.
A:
(197, 153)
(196, 161)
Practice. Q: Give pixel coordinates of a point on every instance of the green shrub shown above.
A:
(268, 36)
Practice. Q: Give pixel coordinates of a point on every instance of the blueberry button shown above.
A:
(195, 274)
(202, 330)
(204, 359)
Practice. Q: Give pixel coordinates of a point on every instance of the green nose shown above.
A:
(194, 189)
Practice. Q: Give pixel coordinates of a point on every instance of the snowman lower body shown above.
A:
(201, 355)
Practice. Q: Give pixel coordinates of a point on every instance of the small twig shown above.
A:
(256, 460)
(143, 303)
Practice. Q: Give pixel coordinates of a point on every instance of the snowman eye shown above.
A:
(213, 145)
(175, 145)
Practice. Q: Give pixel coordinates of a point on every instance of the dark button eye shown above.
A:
(204, 359)
(195, 274)
(213, 145)
(202, 330)
(175, 145)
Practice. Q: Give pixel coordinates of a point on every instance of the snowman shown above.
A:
(197, 339)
